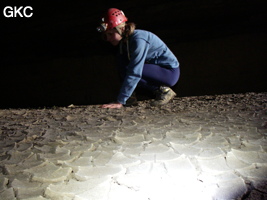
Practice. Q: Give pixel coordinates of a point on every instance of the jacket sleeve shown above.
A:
(138, 53)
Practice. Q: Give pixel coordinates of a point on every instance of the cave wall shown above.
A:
(56, 57)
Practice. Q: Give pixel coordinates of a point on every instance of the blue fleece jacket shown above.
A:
(144, 47)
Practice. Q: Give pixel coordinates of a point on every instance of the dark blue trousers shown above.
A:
(154, 76)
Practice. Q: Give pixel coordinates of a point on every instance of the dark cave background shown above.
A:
(57, 58)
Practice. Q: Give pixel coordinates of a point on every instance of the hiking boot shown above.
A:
(163, 96)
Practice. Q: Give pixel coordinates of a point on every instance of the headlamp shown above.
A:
(102, 27)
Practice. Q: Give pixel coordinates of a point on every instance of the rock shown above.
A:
(49, 172)
(86, 173)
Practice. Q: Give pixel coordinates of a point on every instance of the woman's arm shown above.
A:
(138, 53)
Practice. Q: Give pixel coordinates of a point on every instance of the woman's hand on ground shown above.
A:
(112, 105)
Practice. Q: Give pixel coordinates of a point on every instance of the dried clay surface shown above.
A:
(205, 147)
